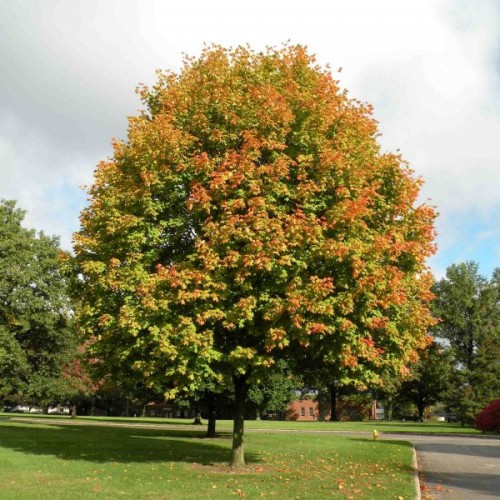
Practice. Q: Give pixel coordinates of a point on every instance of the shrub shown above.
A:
(489, 418)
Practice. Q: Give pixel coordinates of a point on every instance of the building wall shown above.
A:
(306, 410)
(303, 410)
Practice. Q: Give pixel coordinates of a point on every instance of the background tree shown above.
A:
(469, 308)
(429, 379)
(489, 418)
(326, 379)
(274, 392)
(35, 333)
(14, 368)
(76, 387)
(249, 215)
(388, 391)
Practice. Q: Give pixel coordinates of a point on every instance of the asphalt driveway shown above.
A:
(458, 467)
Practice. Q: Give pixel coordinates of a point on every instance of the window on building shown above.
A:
(302, 411)
(311, 411)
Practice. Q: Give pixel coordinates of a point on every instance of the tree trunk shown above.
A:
(421, 407)
(240, 396)
(321, 406)
(212, 420)
(332, 388)
(73, 411)
(212, 416)
(421, 411)
(388, 408)
(197, 417)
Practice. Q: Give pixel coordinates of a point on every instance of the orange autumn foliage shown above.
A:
(251, 214)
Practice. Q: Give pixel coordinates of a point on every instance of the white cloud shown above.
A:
(71, 68)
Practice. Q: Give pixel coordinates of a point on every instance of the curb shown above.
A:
(418, 493)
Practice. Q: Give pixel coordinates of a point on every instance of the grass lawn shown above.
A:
(227, 425)
(38, 460)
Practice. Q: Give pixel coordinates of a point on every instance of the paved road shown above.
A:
(456, 467)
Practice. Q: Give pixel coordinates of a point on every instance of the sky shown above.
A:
(431, 69)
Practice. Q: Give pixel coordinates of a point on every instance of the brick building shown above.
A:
(307, 410)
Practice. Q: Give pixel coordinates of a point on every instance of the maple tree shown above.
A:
(489, 418)
(251, 215)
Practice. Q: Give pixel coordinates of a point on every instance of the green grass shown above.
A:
(42, 460)
(367, 426)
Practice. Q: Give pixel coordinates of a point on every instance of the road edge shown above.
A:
(414, 463)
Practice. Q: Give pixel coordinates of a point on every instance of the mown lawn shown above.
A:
(56, 461)
(226, 425)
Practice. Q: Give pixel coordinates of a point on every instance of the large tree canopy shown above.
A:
(251, 215)
(35, 338)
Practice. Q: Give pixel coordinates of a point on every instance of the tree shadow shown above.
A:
(486, 484)
(188, 422)
(41, 417)
(103, 444)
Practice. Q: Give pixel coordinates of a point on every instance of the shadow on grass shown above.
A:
(122, 420)
(130, 420)
(111, 444)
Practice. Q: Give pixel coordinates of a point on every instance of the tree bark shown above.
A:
(421, 407)
(332, 388)
(212, 416)
(240, 396)
(73, 411)
(388, 408)
(197, 417)
(321, 406)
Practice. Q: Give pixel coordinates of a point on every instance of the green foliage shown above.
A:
(251, 215)
(35, 334)
(275, 391)
(388, 392)
(14, 368)
(469, 307)
(429, 379)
